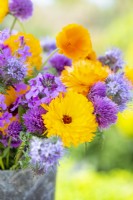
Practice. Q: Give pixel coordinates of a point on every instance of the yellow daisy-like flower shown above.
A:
(83, 74)
(74, 41)
(33, 61)
(129, 73)
(3, 9)
(70, 117)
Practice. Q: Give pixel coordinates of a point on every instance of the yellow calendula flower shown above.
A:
(70, 117)
(83, 74)
(33, 61)
(74, 41)
(3, 9)
(129, 73)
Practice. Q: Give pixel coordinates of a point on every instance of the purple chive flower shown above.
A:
(13, 131)
(33, 120)
(118, 89)
(45, 154)
(59, 61)
(105, 111)
(48, 44)
(113, 58)
(15, 70)
(43, 89)
(98, 89)
(21, 9)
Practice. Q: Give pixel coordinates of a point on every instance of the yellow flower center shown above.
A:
(66, 119)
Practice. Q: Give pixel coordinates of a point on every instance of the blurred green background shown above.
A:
(103, 170)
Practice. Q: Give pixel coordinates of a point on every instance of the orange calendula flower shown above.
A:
(83, 74)
(11, 95)
(129, 73)
(33, 61)
(70, 116)
(74, 41)
(3, 9)
(92, 56)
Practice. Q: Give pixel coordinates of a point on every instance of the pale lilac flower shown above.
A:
(45, 154)
(118, 89)
(113, 58)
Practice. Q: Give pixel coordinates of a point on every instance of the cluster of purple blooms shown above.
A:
(111, 96)
(108, 98)
(43, 89)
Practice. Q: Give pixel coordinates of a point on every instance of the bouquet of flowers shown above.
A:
(67, 99)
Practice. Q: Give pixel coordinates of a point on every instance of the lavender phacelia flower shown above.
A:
(43, 89)
(105, 111)
(15, 70)
(118, 89)
(113, 58)
(45, 154)
(33, 120)
(59, 61)
(98, 89)
(21, 9)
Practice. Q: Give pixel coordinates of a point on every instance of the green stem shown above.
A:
(53, 52)
(21, 25)
(2, 164)
(19, 153)
(86, 147)
(8, 153)
(13, 24)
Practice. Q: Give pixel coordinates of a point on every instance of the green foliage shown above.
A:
(76, 182)
(107, 151)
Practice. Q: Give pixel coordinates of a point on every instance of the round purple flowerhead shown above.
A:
(98, 89)
(33, 120)
(21, 9)
(113, 58)
(59, 61)
(105, 111)
(45, 154)
(13, 131)
(15, 70)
